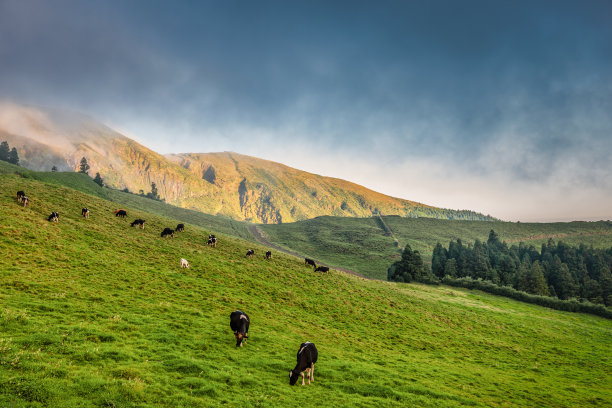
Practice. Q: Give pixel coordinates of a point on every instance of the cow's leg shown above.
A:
(312, 372)
(302, 378)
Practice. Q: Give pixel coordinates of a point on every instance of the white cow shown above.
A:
(184, 263)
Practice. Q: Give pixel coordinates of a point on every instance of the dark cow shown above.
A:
(322, 269)
(180, 228)
(250, 253)
(53, 217)
(25, 200)
(139, 222)
(308, 261)
(120, 213)
(20, 195)
(212, 242)
(269, 255)
(167, 231)
(85, 212)
(306, 359)
(239, 322)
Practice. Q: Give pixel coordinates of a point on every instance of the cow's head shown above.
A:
(293, 377)
(239, 338)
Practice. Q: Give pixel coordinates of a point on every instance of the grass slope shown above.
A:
(365, 247)
(95, 313)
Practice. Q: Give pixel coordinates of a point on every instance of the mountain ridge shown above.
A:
(225, 183)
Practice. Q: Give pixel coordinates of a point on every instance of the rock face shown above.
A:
(231, 184)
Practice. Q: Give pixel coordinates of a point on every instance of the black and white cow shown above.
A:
(180, 228)
(20, 195)
(25, 200)
(166, 232)
(250, 253)
(239, 322)
(120, 213)
(306, 358)
(85, 212)
(322, 269)
(138, 222)
(308, 261)
(268, 254)
(212, 242)
(53, 217)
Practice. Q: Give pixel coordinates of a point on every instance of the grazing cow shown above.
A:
(306, 359)
(25, 200)
(239, 322)
(167, 231)
(212, 242)
(308, 261)
(85, 212)
(322, 269)
(20, 195)
(250, 253)
(269, 255)
(184, 263)
(180, 228)
(138, 222)
(120, 213)
(53, 217)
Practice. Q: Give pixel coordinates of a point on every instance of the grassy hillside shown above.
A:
(230, 184)
(364, 246)
(95, 313)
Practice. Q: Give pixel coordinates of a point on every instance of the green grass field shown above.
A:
(95, 313)
(361, 244)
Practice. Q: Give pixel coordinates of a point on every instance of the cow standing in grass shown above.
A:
(20, 196)
(212, 242)
(322, 269)
(85, 212)
(239, 322)
(180, 228)
(53, 217)
(306, 358)
(250, 253)
(120, 213)
(184, 263)
(25, 200)
(167, 232)
(268, 254)
(139, 222)
(310, 262)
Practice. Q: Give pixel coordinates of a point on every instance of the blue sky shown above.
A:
(503, 107)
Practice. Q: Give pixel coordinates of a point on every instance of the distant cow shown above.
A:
(268, 254)
(306, 359)
(120, 213)
(250, 253)
(166, 232)
(53, 217)
(308, 261)
(138, 222)
(239, 322)
(184, 263)
(85, 212)
(212, 242)
(322, 269)
(180, 228)
(25, 200)
(20, 195)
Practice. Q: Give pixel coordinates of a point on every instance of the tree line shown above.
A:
(7, 154)
(556, 270)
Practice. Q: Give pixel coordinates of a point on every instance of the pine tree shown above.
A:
(438, 260)
(4, 151)
(153, 194)
(98, 180)
(409, 268)
(13, 157)
(450, 268)
(84, 167)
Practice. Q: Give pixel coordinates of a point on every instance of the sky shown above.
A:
(502, 107)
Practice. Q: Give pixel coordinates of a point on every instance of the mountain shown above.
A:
(227, 183)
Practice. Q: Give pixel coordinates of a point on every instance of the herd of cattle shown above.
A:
(239, 321)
